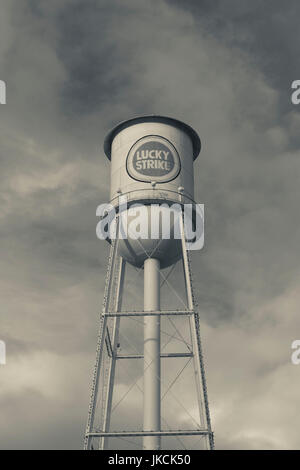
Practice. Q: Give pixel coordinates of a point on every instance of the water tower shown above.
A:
(152, 161)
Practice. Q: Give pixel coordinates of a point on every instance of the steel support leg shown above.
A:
(112, 366)
(196, 342)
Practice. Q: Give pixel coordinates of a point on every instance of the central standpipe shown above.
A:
(151, 353)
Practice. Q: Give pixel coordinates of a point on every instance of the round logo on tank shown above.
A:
(153, 158)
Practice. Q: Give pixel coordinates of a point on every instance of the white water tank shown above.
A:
(152, 164)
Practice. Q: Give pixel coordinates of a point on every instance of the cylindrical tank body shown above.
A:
(152, 164)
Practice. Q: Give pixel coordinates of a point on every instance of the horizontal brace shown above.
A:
(148, 313)
(179, 432)
(163, 355)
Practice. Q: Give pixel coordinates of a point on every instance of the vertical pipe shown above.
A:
(151, 354)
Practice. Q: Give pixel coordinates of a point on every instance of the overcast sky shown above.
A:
(73, 69)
